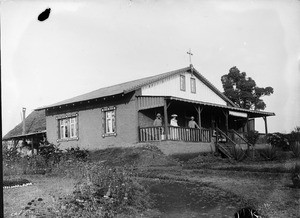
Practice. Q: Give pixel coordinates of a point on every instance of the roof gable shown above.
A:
(170, 86)
(130, 86)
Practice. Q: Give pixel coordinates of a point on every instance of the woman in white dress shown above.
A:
(174, 131)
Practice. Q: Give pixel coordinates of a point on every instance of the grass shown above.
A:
(264, 185)
(144, 156)
(261, 167)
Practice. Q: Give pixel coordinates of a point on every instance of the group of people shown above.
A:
(173, 122)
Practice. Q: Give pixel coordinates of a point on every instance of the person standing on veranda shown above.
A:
(173, 123)
(159, 124)
(192, 124)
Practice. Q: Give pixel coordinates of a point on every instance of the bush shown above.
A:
(104, 193)
(70, 169)
(10, 154)
(238, 154)
(76, 154)
(11, 159)
(58, 161)
(252, 137)
(35, 164)
(51, 153)
(270, 153)
(296, 176)
(279, 140)
(295, 148)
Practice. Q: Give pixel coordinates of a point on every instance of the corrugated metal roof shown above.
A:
(35, 122)
(134, 85)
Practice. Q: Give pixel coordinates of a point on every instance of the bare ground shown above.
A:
(242, 184)
(47, 188)
(271, 195)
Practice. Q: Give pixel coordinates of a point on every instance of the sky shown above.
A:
(87, 45)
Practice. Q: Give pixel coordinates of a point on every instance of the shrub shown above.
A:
(35, 164)
(10, 154)
(76, 154)
(11, 158)
(270, 153)
(238, 154)
(105, 193)
(51, 153)
(279, 140)
(70, 168)
(295, 148)
(296, 176)
(252, 137)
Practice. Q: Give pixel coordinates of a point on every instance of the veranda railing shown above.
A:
(154, 133)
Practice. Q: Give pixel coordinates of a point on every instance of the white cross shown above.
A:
(190, 55)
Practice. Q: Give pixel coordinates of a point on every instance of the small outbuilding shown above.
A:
(28, 134)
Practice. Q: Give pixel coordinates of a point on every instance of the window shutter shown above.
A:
(115, 120)
(77, 126)
(103, 122)
(58, 129)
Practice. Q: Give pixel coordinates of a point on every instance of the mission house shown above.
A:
(124, 114)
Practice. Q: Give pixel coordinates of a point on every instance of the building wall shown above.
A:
(90, 125)
(179, 147)
(171, 87)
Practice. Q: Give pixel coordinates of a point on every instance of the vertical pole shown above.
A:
(199, 116)
(139, 136)
(226, 121)
(266, 126)
(247, 124)
(32, 145)
(23, 121)
(166, 118)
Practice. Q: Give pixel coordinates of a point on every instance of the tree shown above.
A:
(242, 90)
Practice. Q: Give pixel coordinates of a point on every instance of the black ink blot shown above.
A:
(44, 15)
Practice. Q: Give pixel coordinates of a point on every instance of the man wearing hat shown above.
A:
(192, 123)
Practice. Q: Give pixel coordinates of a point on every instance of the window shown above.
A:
(182, 82)
(193, 85)
(109, 121)
(67, 128)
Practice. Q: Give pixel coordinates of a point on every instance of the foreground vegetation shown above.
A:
(143, 182)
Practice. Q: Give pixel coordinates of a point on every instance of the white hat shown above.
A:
(174, 115)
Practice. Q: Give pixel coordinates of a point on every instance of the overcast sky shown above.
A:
(86, 45)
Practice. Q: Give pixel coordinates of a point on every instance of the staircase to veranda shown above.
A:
(225, 145)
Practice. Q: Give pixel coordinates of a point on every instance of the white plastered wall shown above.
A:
(171, 87)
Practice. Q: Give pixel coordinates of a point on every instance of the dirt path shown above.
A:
(47, 188)
(215, 195)
(270, 194)
(184, 200)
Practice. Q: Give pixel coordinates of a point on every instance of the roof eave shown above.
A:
(80, 102)
(23, 135)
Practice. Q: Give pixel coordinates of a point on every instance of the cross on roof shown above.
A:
(190, 56)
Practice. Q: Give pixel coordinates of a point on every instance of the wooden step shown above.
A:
(225, 149)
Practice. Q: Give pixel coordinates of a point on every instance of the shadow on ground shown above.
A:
(178, 199)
